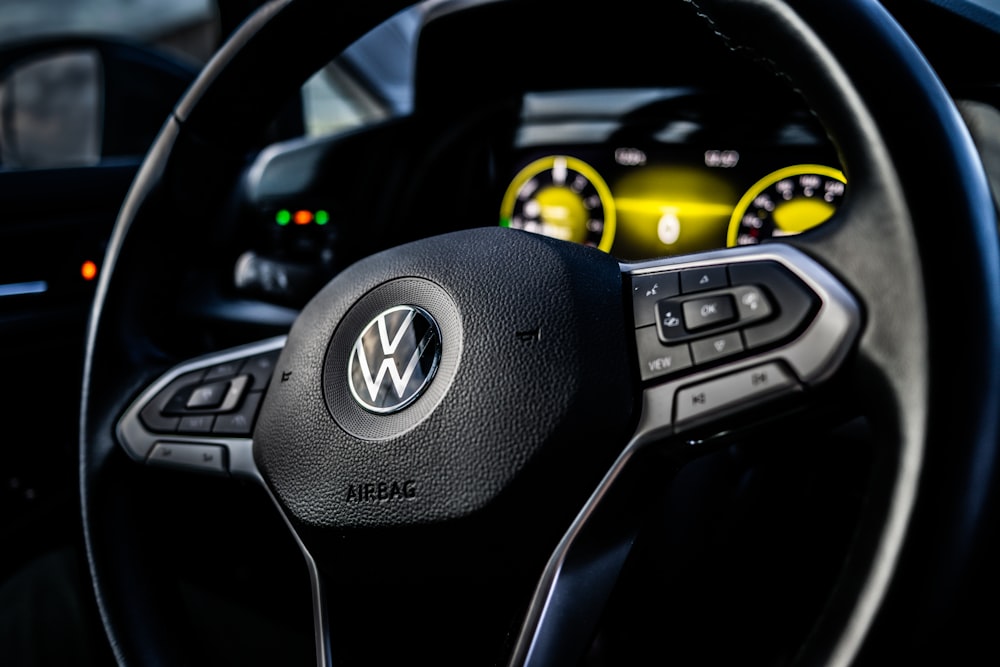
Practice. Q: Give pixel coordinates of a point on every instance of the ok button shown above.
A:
(709, 312)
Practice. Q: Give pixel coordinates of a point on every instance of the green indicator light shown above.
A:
(283, 217)
(505, 222)
(322, 217)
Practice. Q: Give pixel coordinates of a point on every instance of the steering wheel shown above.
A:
(463, 433)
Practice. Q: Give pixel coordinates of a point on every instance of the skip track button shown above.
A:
(731, 392)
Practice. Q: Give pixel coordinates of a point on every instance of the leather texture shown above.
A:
(565, 386)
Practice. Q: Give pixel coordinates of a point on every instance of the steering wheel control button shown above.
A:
(177, 405)
(234, 393)
(260, 368)
(394, 359)
(208, 395)
(196, 424)
(657, 360)
(223, 371)
(795, 302)
(670, 320)
(157, 422)
(752, 304)
(647, 290)
(708, 312)
(718, 347)
(731, 392)
(194, 456)
(240, 422)
(156, 415)
(214, 397)
(679, 319)
(703, 280)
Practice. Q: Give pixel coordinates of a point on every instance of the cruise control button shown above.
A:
(647, 290)
(157, 422)
(234, 393)
(716, 347)
(223, 371)
(732, 391)
(260, 369)
(709, 312)
(178, 402)
(196, 424)
(152, 414)
(657, 360)
(208, 395)
(241, 421)
(205, 458)
(702, 280)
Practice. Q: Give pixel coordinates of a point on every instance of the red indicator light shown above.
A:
(303, 217)
(88, 270)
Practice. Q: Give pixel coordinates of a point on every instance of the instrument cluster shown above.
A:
(670, 185)
(637, 173)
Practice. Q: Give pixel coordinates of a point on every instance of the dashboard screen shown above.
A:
(670, 185)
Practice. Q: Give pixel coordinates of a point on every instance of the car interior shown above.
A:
(705, 358)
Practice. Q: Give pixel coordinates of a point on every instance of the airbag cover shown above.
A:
(532, 387)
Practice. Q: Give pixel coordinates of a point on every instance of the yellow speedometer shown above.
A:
(786, 202)
(563, 197)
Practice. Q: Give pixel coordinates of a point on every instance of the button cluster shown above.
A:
(730, 391)
(220, 400)
(197, 456)
(693, 317)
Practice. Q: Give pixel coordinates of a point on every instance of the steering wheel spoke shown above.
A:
(720, 333)
(718, 337)
(200, 415)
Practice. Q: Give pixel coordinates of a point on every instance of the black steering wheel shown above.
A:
(463, 433)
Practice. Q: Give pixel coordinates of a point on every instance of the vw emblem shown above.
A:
(394, 359)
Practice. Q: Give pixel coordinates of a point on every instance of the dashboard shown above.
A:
(636, 172)
(659, 178)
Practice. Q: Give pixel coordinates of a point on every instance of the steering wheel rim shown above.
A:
(902, 375)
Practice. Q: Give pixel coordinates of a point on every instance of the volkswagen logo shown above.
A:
(394, 359)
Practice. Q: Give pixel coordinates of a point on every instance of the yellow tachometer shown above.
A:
(563, 197)
(786, 202)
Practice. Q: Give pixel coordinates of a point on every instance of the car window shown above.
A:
(371, 81)
(77, 77)
(332, 102)
(56, 106)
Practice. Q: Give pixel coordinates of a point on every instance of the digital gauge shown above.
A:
(562, 197)
(786, 202)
